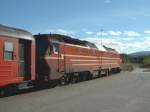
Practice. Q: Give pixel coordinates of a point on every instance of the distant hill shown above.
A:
(140, 54)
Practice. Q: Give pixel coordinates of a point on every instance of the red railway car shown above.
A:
(17, 58)
(71, 60)
(27, 61)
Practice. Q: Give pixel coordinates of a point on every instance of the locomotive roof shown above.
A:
(67, 39)
(74, 41)
(15, 33)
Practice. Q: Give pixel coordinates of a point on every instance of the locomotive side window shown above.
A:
(55, 48)
(8, 51)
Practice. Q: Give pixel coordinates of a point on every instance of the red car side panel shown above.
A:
(9, 69)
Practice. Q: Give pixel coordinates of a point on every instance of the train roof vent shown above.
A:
(109, 49)
(90, 45)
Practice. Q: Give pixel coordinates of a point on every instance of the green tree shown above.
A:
(125, 58)
(146, 60)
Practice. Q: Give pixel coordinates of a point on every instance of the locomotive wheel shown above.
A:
(5, 92)
(12, 89)
(83, 76)
(2, 92)
(63, 80)
(89, 76)
(107, 72)
(99, 74)
(9, 90)
(75, 79)
(119, 70)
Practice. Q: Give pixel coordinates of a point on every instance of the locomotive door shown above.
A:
(58, 51)
(57, 66)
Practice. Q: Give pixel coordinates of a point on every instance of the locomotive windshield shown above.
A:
(55, 48)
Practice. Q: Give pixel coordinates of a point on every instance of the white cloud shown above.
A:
(119, 34)
(113, 33)
(60, 31)
(107, 42)
(108, 1)
(147, 31)
(138, 45)
(127, 39)
(148, 37)
(120, 45)
(132, 34)
(89, 33)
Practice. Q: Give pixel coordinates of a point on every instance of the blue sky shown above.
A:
(125, 23)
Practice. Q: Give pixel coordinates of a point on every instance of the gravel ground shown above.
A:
(124, 92)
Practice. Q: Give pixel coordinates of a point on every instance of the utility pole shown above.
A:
(101, 36)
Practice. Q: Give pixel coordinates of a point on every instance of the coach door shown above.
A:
(25, 59)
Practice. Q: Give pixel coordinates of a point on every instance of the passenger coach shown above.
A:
(17, 58)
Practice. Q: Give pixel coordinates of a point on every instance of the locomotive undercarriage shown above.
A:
(83, 76)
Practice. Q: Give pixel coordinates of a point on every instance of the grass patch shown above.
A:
(127, 67)
(145, 65)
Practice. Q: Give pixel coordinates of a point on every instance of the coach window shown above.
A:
(55, 48)
(8, 51)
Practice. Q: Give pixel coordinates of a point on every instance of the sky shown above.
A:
(120, 24)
